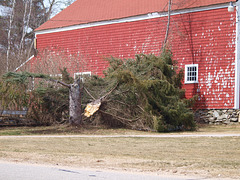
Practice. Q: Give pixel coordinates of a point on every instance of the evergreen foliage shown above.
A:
(13, 95)
(50, 104)
(144, 93)
(149, 94)
(47, 103)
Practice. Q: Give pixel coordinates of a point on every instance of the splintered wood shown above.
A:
(92, 107)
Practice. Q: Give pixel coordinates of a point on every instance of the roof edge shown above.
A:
(133, 18)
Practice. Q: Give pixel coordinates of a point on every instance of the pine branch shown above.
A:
(106, 95)
(89, 93)
(21, 77)
(60, 82)
(123, 120)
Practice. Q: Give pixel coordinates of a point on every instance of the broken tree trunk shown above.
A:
(168, 24)
(94, 106)
(75, 110)
(75, 92)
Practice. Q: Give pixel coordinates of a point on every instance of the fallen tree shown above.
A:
(144, 93)
(47, 102)
(148, 96)
(45, 97)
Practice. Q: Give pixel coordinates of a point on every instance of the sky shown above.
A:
(3, 10)
(59, 7)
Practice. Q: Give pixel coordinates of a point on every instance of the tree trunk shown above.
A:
(50, 9)
(23, 31)
(75, 111)
(168, 24)
(9, 32)
(26, 19)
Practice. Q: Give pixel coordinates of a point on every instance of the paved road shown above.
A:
(18, 171)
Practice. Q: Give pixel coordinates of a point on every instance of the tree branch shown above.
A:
(59, 82)
(50, 9)
(89, 93)
(123, 120)
(105, 96)
(9, 32)
(168, 24)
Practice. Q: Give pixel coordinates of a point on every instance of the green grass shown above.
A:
(11, 133)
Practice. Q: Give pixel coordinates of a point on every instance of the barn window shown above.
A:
(56, 76)
(82, 75)
(191, 73)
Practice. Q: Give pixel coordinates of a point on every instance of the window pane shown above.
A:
(191, 73)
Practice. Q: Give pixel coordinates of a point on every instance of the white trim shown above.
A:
(82, 73)
(23, 63)
(186, 73)
(134, 18)
(56, 76)
(237, 59)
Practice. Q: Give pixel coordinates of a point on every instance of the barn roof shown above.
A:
(86, 11)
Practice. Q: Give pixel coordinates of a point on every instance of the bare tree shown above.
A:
(17, 28)
(51, 4)
(168, 24)
(26, 19)
(9, 32)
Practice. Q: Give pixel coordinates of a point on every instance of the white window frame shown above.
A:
(31, 84)
(58, 76)
(187, 81)
(81, 74)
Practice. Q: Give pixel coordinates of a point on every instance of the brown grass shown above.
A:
(66, 130)
(198, 156)
(92, 130)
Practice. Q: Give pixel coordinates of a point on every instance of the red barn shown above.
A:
(203, 36)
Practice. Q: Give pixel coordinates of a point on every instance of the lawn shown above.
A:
(68, 130)
(197, 156)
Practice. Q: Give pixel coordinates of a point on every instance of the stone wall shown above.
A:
(218, 116)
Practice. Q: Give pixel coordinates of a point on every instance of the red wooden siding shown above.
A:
(211, 44)
(205, 38)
